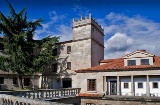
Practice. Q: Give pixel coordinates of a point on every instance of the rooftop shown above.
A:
(118, 65)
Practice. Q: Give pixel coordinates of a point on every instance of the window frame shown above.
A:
(144, 63)
(138, 85)
(69, 65)
(154, 85)
(91, 85)
(130, 62)
(68, 49)
(125, 85)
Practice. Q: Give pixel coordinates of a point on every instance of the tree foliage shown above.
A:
(23, 54)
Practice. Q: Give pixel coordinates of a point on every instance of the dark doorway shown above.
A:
(113, 87)
(67, 83)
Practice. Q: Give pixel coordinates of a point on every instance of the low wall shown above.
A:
(114, 100)
(13, 100)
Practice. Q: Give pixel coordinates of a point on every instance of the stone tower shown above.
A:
(85, 50)
(88, 43)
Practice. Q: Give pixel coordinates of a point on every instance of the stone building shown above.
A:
(85, 50)
(8, 80)
(135, 74)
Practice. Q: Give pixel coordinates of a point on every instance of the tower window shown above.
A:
(68, 49)
(69, 65)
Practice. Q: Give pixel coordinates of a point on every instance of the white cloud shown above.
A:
(117, 45)
(138, 33)
(64, 31)
(55, 27)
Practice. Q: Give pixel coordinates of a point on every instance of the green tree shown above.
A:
(23, 54)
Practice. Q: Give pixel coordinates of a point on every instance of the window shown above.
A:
(125, 85)
(91, 85)
(54, 67)
(26, 81)
(140, 85)
(131, 62)
(144, 61)
(69, 65)
(68, 49)
(14, 80)
(155, 85)
(1, 80)
(55, 52)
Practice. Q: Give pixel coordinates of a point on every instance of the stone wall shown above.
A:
(121, 101)
(12, 100)
(8, 82)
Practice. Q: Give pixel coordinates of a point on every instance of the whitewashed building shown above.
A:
(135, 74)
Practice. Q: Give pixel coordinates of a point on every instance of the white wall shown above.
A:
(139, 91)
(155, 91)
(126, 91)
(138, 60)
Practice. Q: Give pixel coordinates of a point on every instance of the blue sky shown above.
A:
(129, 25)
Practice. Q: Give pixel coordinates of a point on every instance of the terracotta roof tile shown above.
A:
(118, 64)
(90, 94)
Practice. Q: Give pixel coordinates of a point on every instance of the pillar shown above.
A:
(132, 86)
(118, 92)
(147, 85)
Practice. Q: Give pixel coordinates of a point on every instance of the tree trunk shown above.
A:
(33, 81)
(20, 83)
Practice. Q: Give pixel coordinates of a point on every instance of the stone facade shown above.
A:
(87, 50)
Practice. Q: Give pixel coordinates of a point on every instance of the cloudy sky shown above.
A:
(129, 25)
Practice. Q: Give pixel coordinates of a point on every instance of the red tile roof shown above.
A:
(118, 64)
(90, 94)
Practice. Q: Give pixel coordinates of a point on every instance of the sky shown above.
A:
(129, 25)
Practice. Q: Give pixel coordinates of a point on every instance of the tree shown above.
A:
(23, 54)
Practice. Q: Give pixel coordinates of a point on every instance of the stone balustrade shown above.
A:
(44, 93)
(37, 97)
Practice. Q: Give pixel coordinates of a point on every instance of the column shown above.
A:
(132, 86)
(118, 92)
(105, 85)
(147, 85)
